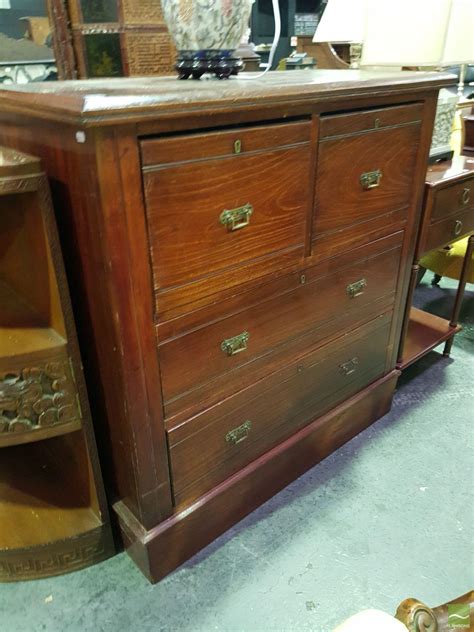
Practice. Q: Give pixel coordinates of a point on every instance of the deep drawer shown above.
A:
(211, 446)
(222, 353)
(364, 173)
(447, 230)
(453, 199)
(208, 218)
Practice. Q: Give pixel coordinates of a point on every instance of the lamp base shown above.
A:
(194, 63)
(443, 127)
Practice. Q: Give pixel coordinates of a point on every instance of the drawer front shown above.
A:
(368, 120)
(212, 446)
(363, 175)
(209, 218)
(242, 141)
(447, 230)
(453, 199)
(226, 349)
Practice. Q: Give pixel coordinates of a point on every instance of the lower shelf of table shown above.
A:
(49, 515)
(425, 332)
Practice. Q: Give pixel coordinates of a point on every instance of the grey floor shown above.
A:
(390, 515)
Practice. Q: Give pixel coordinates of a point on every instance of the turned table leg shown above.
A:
(460, 293)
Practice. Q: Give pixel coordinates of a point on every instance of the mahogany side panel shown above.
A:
(413, 221)
(131, 296)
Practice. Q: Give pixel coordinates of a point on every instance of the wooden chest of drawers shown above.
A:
(239, 254)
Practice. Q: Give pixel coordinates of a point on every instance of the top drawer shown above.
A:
(365, 165)
(171, 149)
(451, 199)
(219, 201)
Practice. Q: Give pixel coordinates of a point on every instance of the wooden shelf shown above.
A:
(24, 342)
(42, 497)
(21, 329)
(8, 439)
(425, 332)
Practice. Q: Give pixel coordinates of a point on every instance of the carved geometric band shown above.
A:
(45, 562)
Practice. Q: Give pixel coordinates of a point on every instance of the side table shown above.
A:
(448, 215)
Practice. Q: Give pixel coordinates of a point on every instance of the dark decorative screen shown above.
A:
(99, 11)
(103, 55)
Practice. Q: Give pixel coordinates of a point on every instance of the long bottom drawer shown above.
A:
(216, 443)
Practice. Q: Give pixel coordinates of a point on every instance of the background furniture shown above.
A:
(277, 237)
(53, 513)
(456, 614)
(448, 215)
(297, 16)
(110, 38)
(326, 55)
(380, 34)
(468, 148)
(415, 616)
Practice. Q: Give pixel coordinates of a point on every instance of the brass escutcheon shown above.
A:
(239, 434)
(237, 344)
(236, 218)
(356, 288)
(370, 179)
(349, 367)
(237, 146)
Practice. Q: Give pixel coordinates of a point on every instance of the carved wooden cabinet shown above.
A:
(110, 38)
(241, 254)
(53, 513)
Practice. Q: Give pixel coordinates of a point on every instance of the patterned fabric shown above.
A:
(207, 24)
(447, 262)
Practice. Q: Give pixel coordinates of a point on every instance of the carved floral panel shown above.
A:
(37, 397)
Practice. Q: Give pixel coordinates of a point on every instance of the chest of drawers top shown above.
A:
(99, 102)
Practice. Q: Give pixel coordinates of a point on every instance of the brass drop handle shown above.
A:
(239, 434)
(466, 196)
(237, 344)
(349, 367)
(357, 288)
(236, 218)
(458, 227)
(370, 179)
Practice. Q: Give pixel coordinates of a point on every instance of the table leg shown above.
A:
(466, 266)
(406, 318)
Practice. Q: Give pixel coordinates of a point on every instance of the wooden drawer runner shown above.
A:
(365, 173)
(211, 446)
(453, 199)
(210, 216)
(205, 355)
(447, 230)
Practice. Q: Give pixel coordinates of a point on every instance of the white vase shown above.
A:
(206, 32)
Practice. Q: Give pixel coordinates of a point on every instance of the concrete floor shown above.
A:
(390, 515)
